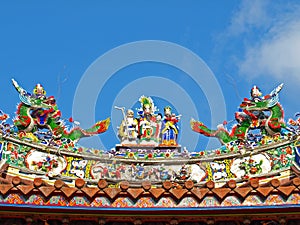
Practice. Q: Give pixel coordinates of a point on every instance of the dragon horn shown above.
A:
(15, 83)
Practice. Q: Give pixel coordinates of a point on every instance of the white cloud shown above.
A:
(250, 14)
(270, 33)
(278, 56)
(263, 43)
(271, 54)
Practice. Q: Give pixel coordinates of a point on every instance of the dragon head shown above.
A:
(254, 106)
(36, 103)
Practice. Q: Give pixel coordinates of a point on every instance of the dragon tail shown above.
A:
(220, 133)
(199, 127)
(77, 132)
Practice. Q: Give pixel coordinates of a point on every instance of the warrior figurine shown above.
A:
(169, 128)
(148, 126)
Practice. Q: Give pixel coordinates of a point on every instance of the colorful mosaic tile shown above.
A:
(274, 200)
(231, 201)
(14, 199)
(122, 202)
(79, 201)
(145, 202)
(188, 202)
(100, 202)
(166, 202)
(252, 200)
(209, 201)
(57, 201)
(293, 199)
(36, 200)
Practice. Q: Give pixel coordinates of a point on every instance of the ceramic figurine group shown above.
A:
(149, 128)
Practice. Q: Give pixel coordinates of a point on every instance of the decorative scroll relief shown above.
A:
(139, 171)
(42, 162)
(218, 170)
(251, 165)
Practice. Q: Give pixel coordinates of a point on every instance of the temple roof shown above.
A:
(173, 200)
(147, 178)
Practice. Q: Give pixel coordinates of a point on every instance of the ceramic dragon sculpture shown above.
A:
(264, 113)
(36, 111)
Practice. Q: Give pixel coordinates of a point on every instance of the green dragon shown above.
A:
(36, 111)
(252, 117)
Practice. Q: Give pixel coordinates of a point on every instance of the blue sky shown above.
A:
(237, 44)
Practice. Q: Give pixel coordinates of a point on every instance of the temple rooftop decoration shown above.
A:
(48, 178)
